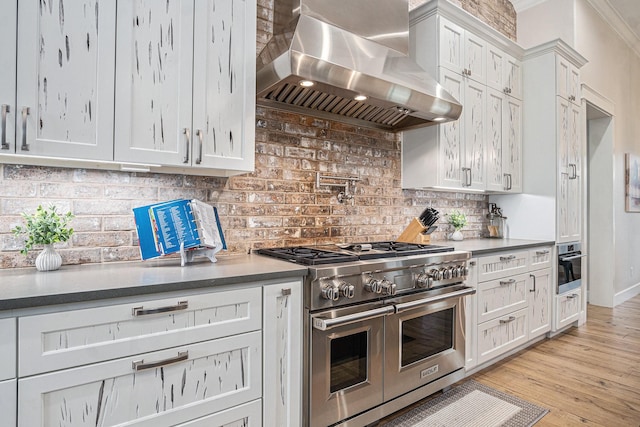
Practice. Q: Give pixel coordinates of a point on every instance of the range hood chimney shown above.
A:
(347, 60)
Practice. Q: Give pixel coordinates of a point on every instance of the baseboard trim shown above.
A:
(627, 294)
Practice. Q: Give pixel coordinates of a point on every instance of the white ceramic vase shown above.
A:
(457, 235)
(48, 259)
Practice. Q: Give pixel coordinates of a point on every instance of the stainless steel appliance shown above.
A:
(384, 327)
(569, 267)
(348, 61)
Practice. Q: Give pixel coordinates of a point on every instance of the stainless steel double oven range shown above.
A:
(383, 327)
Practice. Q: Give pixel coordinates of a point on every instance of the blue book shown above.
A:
(165, 228)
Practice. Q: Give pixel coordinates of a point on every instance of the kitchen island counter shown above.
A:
(488, 246)
(26, 287)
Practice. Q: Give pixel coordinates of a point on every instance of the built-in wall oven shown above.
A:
(382, 333)
(569, 267)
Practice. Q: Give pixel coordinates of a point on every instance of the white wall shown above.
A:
(613, 71)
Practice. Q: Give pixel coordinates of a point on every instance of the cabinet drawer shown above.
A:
(8, 402)
(498, 336)
(540, 258)
(214, 376)
(502, 265)
(62, 340)
(247, 415)
(568, 308)
(7, 348)
(503, 296)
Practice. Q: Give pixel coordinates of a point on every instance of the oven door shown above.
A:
(346, 359)
(424, 339)
(569, 271)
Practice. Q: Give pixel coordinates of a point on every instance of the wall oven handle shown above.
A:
(571, 258)
(325, 324)
(413, 304)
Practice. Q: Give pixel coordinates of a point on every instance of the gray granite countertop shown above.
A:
(487, 246)
(27, 287)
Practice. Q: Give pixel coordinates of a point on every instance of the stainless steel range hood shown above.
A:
(346, 49)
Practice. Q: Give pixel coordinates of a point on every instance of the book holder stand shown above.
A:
(190, 254)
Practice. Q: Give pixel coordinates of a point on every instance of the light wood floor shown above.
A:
(588, 376)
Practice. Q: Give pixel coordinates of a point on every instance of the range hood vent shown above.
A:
(354, 53)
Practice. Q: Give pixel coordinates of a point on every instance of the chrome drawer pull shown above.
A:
(6, 109)
(286, 292)
(187, 132)
(572, 296)
(545, 252)
(25, 112)
(199, 134)
(507, 258)
(509, 320)
(139, 365)
(533, 276)
(508, 282)
(141, 311)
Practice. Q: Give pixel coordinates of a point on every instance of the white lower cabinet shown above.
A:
(160, 388)
(567, 308)
(247, 415)
(8, 402)
(471, 320)
(282, 334)
(500, 335)
(7, 348)
(514, 293)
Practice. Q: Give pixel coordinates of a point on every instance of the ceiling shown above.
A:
(622, 15)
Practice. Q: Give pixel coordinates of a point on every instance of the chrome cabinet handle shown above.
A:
(534, 283)
(25, 112)
(574, 171)
(508, 282)
(199, 134)
(507, 258)
(139, 365)
(3, 138)
(572, 296)
(324, 324)
(187, 132)
(544, 252)
(509, 320)
(507, 181)
(467, 177)
(286, 292)
(141, 311)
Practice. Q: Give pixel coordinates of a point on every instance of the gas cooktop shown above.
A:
(349, 252)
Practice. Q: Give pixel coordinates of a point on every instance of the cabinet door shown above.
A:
(282, 395)
(152, 389)
(451, 46)
(470, 318)
(154, 82)
(451, 144)
(567, 308)
(501, 297)
(495, 68)
(540, 291)
(567, 80)
(66, 58)
(563, 169)
(8, 402)
(541, 258)
(475, 58)
(512, 145)
(224, 84)
(498, 336)
(574, 184)
(513, 76)
(495, 130)
(8, 344)
(8, 19)
(473, 117)
(502, 265)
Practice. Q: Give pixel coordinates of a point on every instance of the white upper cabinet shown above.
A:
(461, 51)
(482, 150)
(185, 83)
(8, 77)
(567, 80)
(66, 58)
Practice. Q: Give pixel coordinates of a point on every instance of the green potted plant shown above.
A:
(457, 220)
(45, 227)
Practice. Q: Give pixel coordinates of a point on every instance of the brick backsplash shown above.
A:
(276, 205)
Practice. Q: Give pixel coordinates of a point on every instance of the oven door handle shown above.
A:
(413, 304)
(325, 324)
(571, 258)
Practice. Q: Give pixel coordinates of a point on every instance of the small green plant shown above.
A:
(457, 219)
(46, 226)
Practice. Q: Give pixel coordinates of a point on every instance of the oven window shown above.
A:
(348, 361)
(569, 270)
(427, 335)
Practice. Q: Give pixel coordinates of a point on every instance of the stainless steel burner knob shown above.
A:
(424, 281)
(445, 273)
(373, 285)
(435, 274)
(466, 270)
(462, 271)
(454, 271)
(347, 289)
(331, 293)
(388, 287)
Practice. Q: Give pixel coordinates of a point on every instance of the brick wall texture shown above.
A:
(277, 205)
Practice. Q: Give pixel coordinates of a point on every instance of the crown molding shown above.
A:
(615, 21)
(520, 5)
